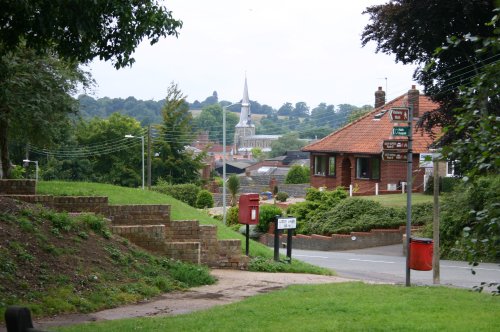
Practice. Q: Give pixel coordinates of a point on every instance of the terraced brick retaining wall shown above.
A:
(17, 187)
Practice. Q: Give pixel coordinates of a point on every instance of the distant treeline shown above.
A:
(149, 111)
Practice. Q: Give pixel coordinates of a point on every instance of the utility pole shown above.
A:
(435, 223)
(149, 157)
(409, 189)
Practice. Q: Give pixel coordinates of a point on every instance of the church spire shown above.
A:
(245, 119)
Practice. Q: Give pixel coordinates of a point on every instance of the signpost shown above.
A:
(394, 156)
(426, 160)
(400, 131)
(289, 224)
(401, 150)
(399, 114)
(395, 144)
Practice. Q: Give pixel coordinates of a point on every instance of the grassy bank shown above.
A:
(399, 200)
(333, 307)
(179, 211)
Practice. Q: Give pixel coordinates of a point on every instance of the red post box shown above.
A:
(248, 212)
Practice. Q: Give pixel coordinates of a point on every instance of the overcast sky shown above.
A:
(291, 51)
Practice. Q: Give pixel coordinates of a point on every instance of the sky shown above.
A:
(290, 51)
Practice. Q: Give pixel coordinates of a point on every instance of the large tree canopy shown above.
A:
(413, 30)
(43, 41)
(82, 30)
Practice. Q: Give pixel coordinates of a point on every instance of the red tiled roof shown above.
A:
(366, 134)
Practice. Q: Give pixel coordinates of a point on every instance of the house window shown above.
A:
(331, 166)
(324, 165)
(368, 168)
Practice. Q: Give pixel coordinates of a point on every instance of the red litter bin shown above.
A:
(421, 254)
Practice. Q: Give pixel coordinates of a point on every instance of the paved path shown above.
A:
(232, 286)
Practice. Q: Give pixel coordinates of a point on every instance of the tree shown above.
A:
(233, 184)
(76, 31)
(210, 119)
(286, 109)
(35, 98)
(258, 154)
(413, 30)
(122, 166)
(285, 143)
(83, 30)
(301, 109)
(174, 163)
(297, 174)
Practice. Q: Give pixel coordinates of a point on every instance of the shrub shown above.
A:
(267, 214)
(313, 194)
(469, 221)
(297, 174)
(204, 200)
(446, 184)
(281, 196)
(354, 214)
(232, 216)
(186, 193)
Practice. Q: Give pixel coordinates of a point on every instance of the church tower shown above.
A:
(245, 127)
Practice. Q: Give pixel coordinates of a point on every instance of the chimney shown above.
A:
(413, 100)
(379, 97)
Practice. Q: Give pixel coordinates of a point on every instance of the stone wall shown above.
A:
(355, 240)
(17, 187)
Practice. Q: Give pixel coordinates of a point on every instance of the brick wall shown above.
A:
(355, 240)
(182, 230)
(45, 200)
(139, 214)
(149, 237)
(17, 187)
(95, 204)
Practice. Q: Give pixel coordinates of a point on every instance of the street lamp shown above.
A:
(26, 161)
(142, 140)
(224, 203)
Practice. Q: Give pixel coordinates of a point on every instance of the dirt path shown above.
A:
(232, 286)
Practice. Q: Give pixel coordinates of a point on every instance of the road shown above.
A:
(387, 264)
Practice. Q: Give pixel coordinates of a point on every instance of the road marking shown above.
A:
(469, 268)
(370, 261)
(312, 256)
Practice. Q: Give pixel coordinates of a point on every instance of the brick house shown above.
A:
(353, 154)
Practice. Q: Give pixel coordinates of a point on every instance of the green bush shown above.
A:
(354, 214)
(232, 217)
(281, 196)
(469, 225)
(297, 174)
(186, 193)
(446, 184)
(267, 214)
(313, 194)
(204, 200)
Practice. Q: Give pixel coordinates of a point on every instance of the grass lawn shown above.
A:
(398, 200)
(333, 307)
(179, 211)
